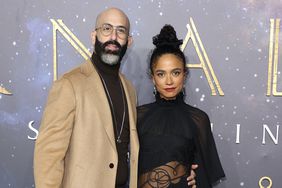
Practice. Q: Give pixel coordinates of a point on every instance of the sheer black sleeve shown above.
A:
(210, 170)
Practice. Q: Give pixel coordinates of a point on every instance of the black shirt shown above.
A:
(173, 135)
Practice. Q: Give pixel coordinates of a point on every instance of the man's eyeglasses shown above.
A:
(107, 29)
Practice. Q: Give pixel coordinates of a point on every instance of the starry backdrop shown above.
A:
(235, 35)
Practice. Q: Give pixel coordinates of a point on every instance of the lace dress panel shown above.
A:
(163, 176)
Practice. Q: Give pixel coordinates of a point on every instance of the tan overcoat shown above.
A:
(75, 147)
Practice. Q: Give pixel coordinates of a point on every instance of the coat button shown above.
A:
(111, 165)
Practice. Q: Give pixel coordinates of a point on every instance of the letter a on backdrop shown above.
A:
(205, 63)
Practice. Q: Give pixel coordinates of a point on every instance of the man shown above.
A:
(90, 118)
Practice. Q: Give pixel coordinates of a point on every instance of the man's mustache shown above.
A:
(111, 42)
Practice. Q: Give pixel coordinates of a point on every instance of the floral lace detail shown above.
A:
(163, 176)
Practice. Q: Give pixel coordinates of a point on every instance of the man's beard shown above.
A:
(108, 56)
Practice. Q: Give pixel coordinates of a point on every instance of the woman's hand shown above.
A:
(191, 179)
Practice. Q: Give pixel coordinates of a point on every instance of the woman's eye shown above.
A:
(176, 73)
(160, 74)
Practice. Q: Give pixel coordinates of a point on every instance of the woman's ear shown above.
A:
(153, 79)
(185, 75)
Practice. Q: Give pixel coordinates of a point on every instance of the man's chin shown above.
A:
(110, 59)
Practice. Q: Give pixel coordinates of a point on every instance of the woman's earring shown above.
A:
(155, 91)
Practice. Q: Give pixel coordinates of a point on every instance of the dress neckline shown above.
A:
(163, 102)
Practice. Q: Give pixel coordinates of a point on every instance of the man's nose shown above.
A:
(114, 34)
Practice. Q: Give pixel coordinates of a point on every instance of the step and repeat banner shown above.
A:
(234, 55)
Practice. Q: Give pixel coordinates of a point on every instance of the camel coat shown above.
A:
(76, 145)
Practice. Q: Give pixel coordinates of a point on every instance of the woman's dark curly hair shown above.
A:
(166, 43)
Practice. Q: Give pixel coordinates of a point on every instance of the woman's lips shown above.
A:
(170, 89)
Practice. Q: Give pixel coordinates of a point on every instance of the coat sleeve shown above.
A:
(210, 170)
(54, 135)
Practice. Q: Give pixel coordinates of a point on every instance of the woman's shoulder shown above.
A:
(195, 110)
(197, 114)
(145, 107)
(142, 113)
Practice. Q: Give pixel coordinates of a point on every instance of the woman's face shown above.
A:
(168, 76)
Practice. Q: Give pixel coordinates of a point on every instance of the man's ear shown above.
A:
(93, 37)
(129, 41)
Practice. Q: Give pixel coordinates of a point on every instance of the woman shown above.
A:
(173, 134)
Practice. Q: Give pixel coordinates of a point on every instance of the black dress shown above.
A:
(173, 135)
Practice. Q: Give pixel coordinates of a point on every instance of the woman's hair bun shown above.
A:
(167, 37)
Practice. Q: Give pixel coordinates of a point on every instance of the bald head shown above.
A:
(111, 35)
(113, 16)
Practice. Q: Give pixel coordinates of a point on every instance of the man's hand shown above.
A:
(191, 179)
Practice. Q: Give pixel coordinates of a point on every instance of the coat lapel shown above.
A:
(134, 143)
(95, 84)
(131, 103)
